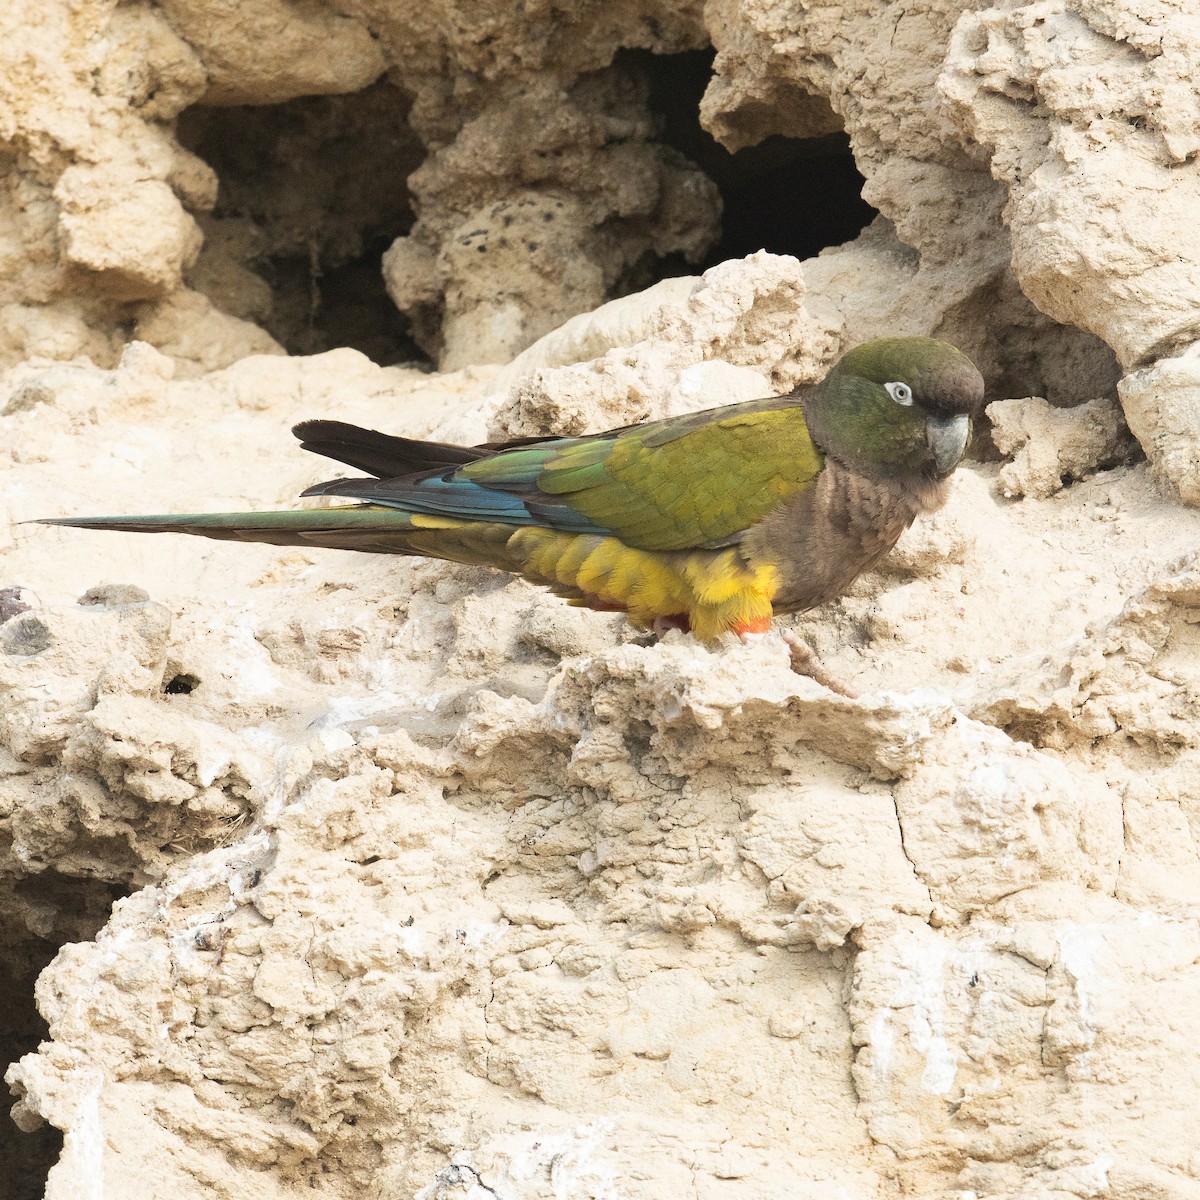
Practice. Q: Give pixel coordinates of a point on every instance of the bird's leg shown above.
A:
(804, 659)
(805, 662)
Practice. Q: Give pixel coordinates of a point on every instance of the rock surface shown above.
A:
(404, 879)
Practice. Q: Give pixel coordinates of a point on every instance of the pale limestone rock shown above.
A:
(1090, 117)
(989, 1047)
(622, 387)
(985, 817)
(201, 338)
(1052, 447)
(536, 210)
(1070, 97)
(135, 236)
(585, 902)
(270, 51)
(739, 332)
(542, 125)
(69, 751)
(1162, 405)
(938, 259)
(140, 57)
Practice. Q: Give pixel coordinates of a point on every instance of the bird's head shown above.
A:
(898, 407)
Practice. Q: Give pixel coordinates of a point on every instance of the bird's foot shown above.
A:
(805, 662)
(663, 625)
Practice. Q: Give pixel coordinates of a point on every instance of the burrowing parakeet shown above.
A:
(711, 522)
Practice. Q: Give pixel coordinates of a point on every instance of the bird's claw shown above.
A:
(804, 661)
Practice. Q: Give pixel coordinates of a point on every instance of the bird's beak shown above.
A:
(947, 438)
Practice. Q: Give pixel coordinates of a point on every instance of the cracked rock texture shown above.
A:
(434, 883)
(392, 878)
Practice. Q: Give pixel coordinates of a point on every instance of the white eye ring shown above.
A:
(900, 392)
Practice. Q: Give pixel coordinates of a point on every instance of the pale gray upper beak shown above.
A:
(947, 438)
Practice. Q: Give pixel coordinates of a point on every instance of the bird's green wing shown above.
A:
(685, 482)
(697, 481)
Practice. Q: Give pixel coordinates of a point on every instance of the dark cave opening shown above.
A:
(787, 195)
(312, 192)
(60, 909)
(28, 1156)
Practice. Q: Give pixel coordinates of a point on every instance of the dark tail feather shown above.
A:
(381, 454)
(379, 530)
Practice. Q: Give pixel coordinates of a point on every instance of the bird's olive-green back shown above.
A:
(686, 482)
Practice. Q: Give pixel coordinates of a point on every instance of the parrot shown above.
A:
(712, 522)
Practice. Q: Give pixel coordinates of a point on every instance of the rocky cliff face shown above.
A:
(404, 879)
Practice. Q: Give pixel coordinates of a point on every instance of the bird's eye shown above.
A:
(900, 392)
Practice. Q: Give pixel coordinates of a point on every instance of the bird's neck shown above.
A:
(823, 539)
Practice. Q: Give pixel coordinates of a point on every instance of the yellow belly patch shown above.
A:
(716, 589)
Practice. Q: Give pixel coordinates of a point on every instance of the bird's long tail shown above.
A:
(370, 528)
